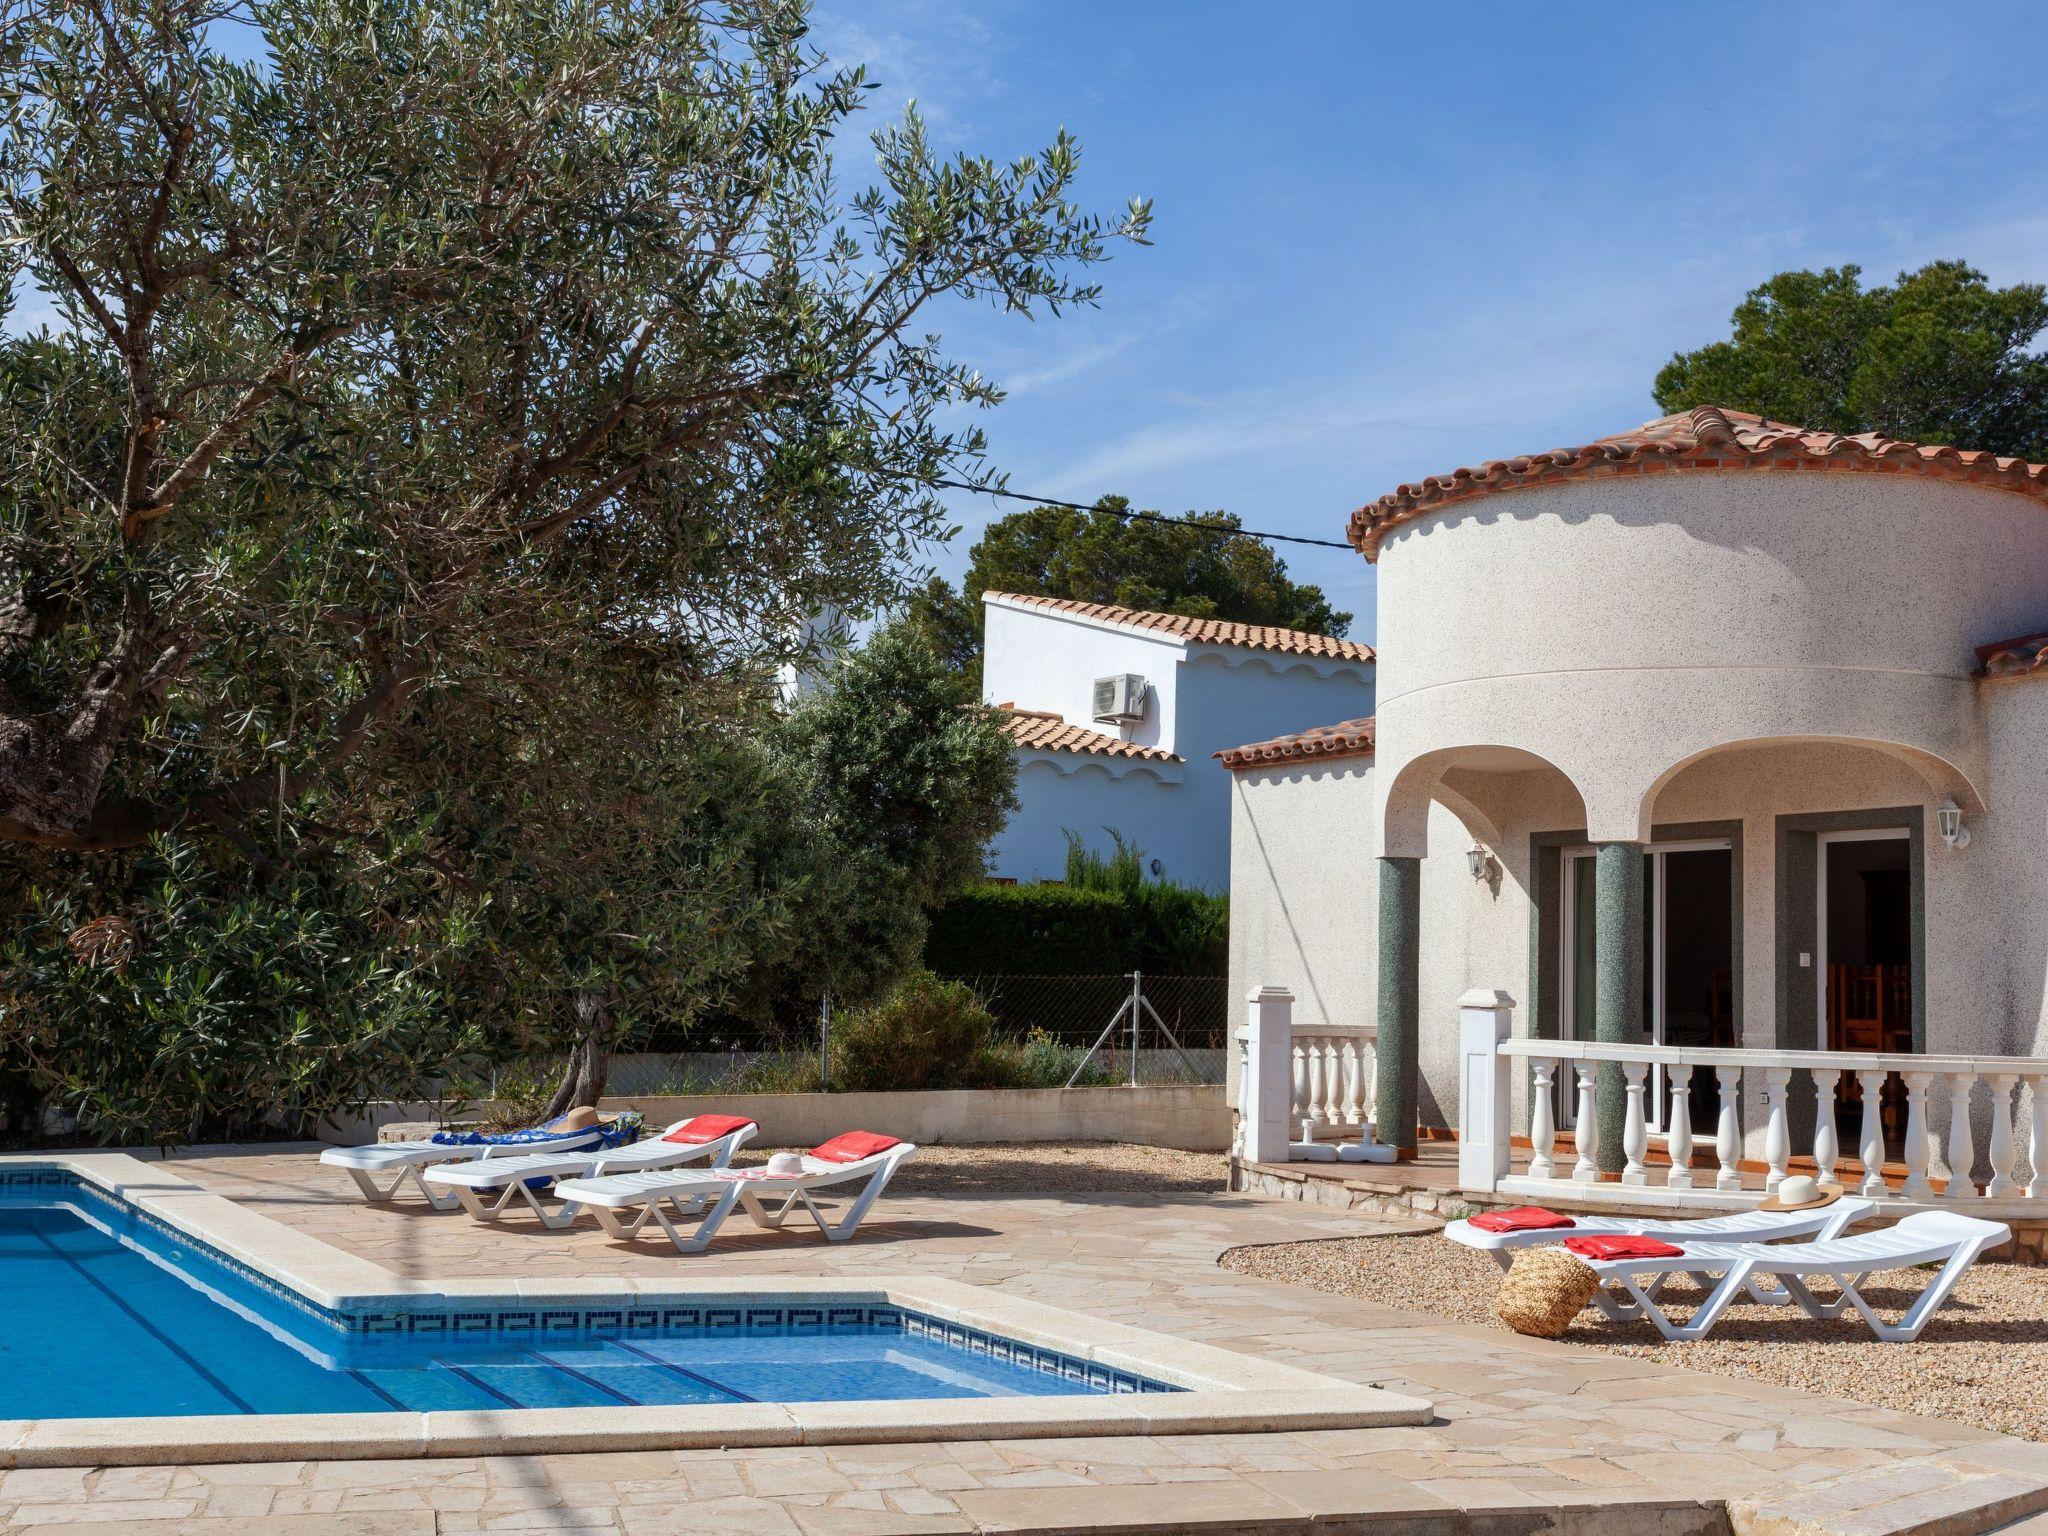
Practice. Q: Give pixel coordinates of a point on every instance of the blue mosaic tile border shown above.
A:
(611, 1317)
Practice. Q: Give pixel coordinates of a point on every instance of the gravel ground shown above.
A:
(1089, 1168)
(1983, 1360)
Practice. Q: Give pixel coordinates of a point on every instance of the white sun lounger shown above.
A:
(1926, 1237)
(1752, 1226)
(702, 1138)
(408, 1159)
(624, 1203)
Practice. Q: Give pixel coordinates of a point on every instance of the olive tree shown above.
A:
(427, 373)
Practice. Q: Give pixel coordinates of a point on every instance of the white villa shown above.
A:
(1117, 714)
(1712, 756)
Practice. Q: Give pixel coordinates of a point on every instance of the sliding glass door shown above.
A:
(1688, 953)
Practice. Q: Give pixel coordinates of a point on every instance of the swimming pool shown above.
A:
(107, 1313)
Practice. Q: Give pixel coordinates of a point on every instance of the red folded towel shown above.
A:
(1523, 1218)
(703, 1128)
(1622, 1247)
(852, 1146)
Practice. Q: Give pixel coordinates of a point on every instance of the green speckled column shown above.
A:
(1618, 984)
(1400, 1005)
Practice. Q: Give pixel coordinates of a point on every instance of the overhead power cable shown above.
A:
(1143, 517)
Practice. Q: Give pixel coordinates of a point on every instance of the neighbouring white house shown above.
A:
(1710, 763)
(1117, 714)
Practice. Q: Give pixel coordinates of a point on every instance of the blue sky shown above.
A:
(1394, 239)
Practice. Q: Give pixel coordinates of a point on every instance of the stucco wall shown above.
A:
(2012, 852)
(1618, 627)
(1037, 658)
(1205, 699)
(1056, 792)
(1304, 889)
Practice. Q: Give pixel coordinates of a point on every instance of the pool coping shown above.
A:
(1221, 1391)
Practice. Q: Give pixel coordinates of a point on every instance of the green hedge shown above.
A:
(1058, 930)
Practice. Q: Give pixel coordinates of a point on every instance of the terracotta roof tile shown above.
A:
(1045, 731)
(2026, 656)
(1704, 438)
(1348, 738)
(1253, 637)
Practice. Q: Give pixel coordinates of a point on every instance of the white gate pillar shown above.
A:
(1267, 1091)
(1485, 1019)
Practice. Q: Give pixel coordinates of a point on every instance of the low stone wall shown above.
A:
(1194, 1119)
(1191, 1118)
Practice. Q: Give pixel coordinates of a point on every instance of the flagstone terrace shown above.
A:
(1546, 1435)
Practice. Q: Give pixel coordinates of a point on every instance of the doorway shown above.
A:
(1863, 921)
(1688, 955)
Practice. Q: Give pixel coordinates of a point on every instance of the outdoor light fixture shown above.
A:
(1480, 862)
(1948, 820)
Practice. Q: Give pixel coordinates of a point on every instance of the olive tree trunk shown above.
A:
(590, 1058)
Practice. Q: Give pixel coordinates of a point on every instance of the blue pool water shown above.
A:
(106, 1314)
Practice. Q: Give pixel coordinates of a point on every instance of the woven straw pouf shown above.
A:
(1544, 1290)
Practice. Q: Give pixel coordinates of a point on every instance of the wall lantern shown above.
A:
(1480, 862)
(1948, 820)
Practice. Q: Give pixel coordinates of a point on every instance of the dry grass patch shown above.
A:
(1983, 1360)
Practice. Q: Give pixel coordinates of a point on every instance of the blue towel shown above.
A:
(539, 1135)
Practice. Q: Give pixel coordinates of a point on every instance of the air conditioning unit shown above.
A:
(1119, 700)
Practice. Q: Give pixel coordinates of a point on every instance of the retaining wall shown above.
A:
(1194, 1119)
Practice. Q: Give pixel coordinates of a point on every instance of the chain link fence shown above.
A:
(1077, 1010)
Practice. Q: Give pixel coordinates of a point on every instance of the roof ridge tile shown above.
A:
(1706, 437)
(1251, 637)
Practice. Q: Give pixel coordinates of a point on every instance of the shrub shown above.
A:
(1040, 1060)
(1059, 930)
(927, 1033)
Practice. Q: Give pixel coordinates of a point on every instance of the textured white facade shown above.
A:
(1609, 659)
(1202, 698)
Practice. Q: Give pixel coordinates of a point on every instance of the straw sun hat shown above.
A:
(1801, 1193)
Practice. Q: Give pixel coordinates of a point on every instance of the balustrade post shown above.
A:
(1266, 1098)
(1728, 1132)
(1318, 1089)
(1635, 1134)
(1485, 1019)
(1827, 1145)
(1870, 1146)
(1586, 1126)
(2037, 1139)
(2002, 1182)
(1777, 1127)
(1543, 1121)
(1678, 1135)
(1918, 1186)
(1298, 1101)
(1962, 1147)
(1353, 1061)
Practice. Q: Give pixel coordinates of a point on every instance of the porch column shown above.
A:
(1618, 979)
(1400, 970)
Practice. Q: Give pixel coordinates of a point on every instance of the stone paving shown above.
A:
(1530, 1436)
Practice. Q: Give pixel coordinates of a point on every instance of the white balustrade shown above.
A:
(1962, 1151)
(1635, 1134)
(1334, 1077)
(1543, 1120)
(1870, 1145)
(1728, 1129)
(1777, 1126)
(1827, 1145)
(1678, 1141)
(2015, 1092)
(1586, 1126)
